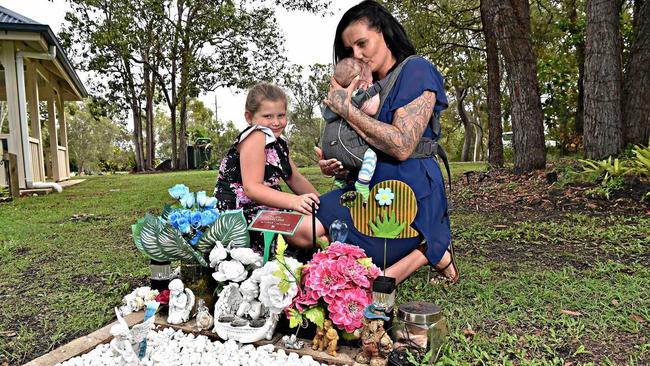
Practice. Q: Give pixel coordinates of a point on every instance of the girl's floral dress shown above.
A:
(229, 190)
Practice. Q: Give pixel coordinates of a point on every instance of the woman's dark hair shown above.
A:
(379, 19)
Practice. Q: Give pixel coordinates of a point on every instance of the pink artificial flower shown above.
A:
(338, 249)
(326, 279)
(373, 272)
(346, 311)
(355, 273)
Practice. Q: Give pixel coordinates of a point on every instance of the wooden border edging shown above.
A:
(87, 343)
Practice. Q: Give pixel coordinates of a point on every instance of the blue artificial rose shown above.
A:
(187, 214)
(173, 218)
(208, 217)
(178, 191)
(187, 200)
(196, 237)
(195, 219)
(184, 225)
(201, 198)
(211, 202)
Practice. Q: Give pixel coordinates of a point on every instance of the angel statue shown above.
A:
(181, 302)
(249, 308)
(126, 342)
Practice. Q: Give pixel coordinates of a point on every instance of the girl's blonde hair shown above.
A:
(261, 92)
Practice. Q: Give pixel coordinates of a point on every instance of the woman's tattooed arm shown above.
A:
(398, 140)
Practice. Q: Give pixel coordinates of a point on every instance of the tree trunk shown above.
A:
(580, 60)
(134, 102)
(149, 91)
(182, 132)
(461, 93)
(636, 88)
(512, 24)
(495, 129)
(602, 135)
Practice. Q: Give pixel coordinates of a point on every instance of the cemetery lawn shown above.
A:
(547, 278)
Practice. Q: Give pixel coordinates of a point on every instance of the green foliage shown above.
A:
(389, 228)
(230, 228)
(642, 160)
(605, 189)
(419, 360)
(295, 318)
(607, 168)
(284, 270)
(94, 139)
(316, 315)
(160, 241)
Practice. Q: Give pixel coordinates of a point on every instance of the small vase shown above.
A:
(199, 279)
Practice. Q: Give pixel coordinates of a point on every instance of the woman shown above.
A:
(368, 32)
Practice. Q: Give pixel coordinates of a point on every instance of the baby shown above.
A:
(346, 70)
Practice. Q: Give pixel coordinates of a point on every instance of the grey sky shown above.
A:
(308, 40)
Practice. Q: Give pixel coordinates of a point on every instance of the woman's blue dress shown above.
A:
(422, 175)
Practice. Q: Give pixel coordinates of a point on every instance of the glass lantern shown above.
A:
(383, 294)
(160, 275)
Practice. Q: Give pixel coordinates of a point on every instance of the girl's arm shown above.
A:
(252, 160)
(298, 183)
(398, 140)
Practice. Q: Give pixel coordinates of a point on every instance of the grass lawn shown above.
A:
(563, 290)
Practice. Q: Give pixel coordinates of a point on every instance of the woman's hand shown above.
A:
(303, 203)
(339, 98)
(329, 167)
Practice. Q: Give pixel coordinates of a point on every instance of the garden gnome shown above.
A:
(121, 346)
(181, 301)
(332, 339)
(203, 318)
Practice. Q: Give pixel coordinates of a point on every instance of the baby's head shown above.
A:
(346, 70)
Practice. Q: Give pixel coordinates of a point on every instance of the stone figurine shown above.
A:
(318, 343)
(292, 342)
(126, 342)
(332, 337)
(249, 308)
(376, 345)
(181, 301)
(204, 319)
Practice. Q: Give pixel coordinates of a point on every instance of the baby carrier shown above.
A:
(342, 142)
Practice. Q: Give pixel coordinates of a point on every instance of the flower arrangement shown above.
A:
(136, 300)
(233, 264)
(189, 229)
(192, 214)
(336, 282)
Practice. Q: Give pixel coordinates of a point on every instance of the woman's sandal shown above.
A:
(441, 277)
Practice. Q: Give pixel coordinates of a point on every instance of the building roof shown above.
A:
(11, 21)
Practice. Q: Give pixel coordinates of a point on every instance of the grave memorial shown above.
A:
(338, 295)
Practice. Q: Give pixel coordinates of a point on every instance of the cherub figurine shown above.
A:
(332, 339)
(181, 301)
(249, 308)
(126, 342)
(204, 319)
(376, 345)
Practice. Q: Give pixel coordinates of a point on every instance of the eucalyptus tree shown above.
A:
(185, 47)
(495, 142)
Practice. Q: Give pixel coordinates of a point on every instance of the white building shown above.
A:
(34, 69)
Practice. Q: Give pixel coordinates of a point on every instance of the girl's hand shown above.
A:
(303, 203)
(329, 167)
(338, 98)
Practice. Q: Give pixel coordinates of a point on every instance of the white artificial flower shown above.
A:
(245, 255)
(151, 296)
(270, 294)
(217, 254)
(230, 271)
(142, 291)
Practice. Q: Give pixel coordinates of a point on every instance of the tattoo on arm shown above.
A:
(399, 139)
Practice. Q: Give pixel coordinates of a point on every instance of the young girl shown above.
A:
(250, 173)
